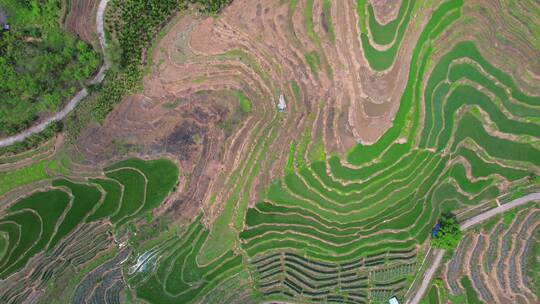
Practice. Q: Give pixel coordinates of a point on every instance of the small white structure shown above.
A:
(393, 300)
(281, 105)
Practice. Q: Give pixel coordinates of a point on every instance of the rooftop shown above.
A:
(281, 105)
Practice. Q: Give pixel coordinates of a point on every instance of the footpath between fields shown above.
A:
(437, 255)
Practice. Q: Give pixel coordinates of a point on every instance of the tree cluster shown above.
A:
(42, 65)
(141, 19)
(212, 6)
(33, 140)
(449, 234)
(138, 22)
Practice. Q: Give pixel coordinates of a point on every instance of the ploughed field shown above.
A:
(395, 114)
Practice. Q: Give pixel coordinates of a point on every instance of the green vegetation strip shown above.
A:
(26, 175)
(30, 233)
(134, 192)
(472, 296)
(111, 202)
(161, 174)
(42, 65)
(85, 199)
(49, 206)
(41, 220)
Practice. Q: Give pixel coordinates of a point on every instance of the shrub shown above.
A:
(449, 233)
(41, 64)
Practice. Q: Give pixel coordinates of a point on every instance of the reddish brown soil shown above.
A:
(81, 19)
(189, 109)
(385, 10)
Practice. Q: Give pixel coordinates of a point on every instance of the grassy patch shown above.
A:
(198, 80)
(508, 217)
(327, 20)
(443, 295)
(296, 91)
(472, 296)
(433, 295)
(289, 169)
(245, 103)
(318, 151)
(25, 175)
(173, 104)
(308, 22)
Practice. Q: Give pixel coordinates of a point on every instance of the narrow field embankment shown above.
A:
(428, 276)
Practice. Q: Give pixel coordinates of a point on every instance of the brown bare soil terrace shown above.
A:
(188, 107)
(249, 48)
(496, 259)
(81, 20)
(396, 111)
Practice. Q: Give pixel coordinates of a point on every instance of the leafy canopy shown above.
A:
(449, 233)
(41, 65)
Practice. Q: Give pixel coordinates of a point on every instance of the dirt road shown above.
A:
(501, 209)
(78, 97)
(439, 253)
(465, 225)
(3, 17)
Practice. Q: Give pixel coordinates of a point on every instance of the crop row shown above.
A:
(95, 285)
(331, 230)
(41, 220)
(290, 275)
(72, 252)
(494, 266)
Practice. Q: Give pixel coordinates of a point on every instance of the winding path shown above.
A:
(3, 16)
(78, 97)
(465, 225)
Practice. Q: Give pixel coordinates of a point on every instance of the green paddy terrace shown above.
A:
(352, 230)
(334, 228)
(38, 222)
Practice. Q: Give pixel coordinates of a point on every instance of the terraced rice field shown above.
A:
(499, 264)
(34, 227)
(347, 228)
(395, 114)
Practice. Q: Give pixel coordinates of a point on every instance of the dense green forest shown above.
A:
(42, 65)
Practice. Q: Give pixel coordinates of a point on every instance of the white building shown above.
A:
(281, 105)
(393, 300)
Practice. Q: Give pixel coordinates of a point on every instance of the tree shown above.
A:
(449, 233)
